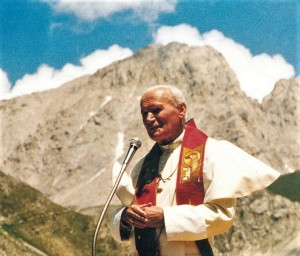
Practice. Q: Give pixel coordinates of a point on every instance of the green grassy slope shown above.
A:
(28, 216)
(287, 185)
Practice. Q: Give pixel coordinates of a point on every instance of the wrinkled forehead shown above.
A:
(158, 95)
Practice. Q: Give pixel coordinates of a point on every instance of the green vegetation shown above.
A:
(30, 217)
(287, 185)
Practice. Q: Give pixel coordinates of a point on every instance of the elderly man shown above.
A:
(183, 192)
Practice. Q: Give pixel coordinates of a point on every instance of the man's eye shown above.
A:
(156, 111)
(152, 111)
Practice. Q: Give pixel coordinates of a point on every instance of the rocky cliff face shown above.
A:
(64, 142)
(265, 225)
(282, 108)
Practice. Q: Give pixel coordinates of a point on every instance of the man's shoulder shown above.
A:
(215, 142)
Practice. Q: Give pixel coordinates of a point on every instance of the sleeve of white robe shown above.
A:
(125, 193)
(190, 223)
(115, 225)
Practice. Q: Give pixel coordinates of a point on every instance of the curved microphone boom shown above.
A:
(134, 145)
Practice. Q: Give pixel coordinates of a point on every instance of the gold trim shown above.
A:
(190, 165)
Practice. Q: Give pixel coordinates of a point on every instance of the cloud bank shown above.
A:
(257, 73)
(48, 77)
(90, 10)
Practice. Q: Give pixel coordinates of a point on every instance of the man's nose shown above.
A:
(150, 117)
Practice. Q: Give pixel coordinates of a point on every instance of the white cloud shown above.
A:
(48, 77)
(4, 83)
(257, 74)
(90, 10)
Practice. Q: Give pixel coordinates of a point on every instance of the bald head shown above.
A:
(171, 92)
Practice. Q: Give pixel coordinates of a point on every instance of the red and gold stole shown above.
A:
(189, 187)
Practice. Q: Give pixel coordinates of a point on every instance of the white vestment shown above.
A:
(228, 172)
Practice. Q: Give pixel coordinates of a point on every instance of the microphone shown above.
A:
(134, 145)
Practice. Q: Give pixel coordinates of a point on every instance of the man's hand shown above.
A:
(144, 216)
(154, 216)
(135, 216)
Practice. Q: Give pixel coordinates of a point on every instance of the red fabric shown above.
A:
(190, 188)
(148, 194)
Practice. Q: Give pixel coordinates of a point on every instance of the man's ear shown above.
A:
(182, 110)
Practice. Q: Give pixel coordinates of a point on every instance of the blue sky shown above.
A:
(53, 40)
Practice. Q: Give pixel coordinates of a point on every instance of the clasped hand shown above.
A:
(144, 216)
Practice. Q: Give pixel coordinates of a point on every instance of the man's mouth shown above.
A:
(153, 128)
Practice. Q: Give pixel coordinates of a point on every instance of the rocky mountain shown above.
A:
(265, 225)
(64, 142)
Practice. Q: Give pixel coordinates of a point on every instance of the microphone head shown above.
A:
(135, 142)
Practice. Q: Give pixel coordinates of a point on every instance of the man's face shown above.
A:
(162, 118)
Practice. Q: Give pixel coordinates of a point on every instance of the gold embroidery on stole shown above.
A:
(191, 163)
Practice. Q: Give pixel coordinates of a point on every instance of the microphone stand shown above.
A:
(134, 145)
